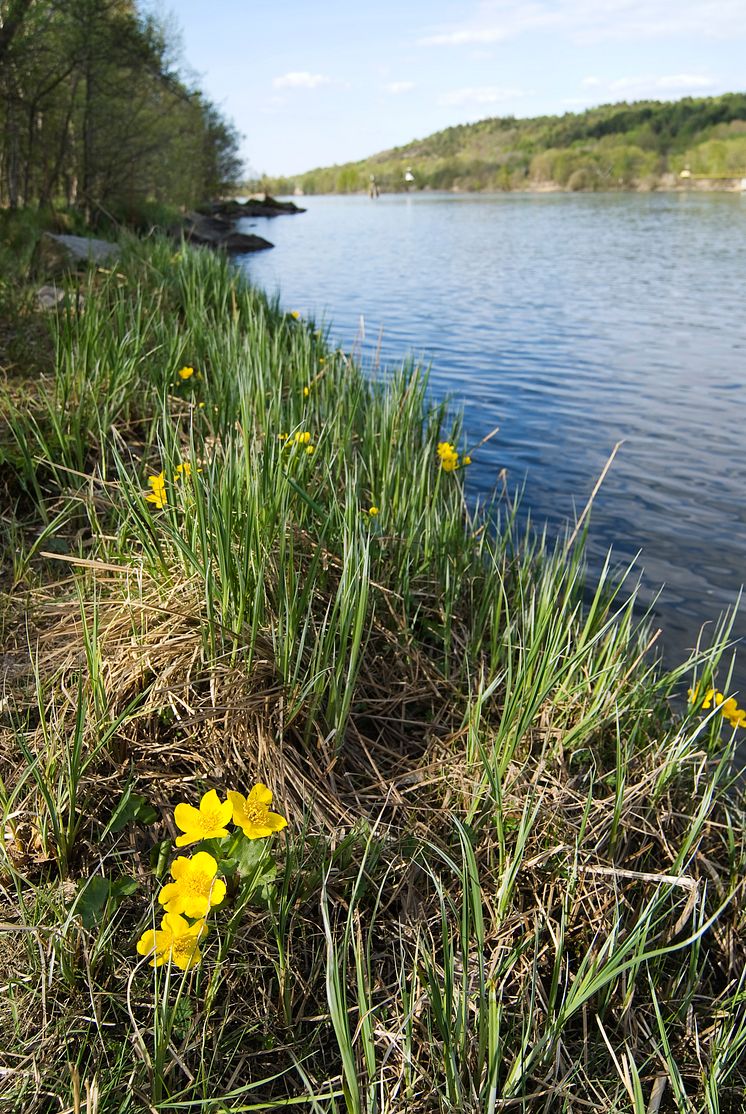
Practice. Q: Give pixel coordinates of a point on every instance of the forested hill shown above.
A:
(638, 145)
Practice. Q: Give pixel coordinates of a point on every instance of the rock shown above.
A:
(207, 225)
(55, 254)
(48, 297)
(215, 232)
(254, 207)
(244, 241)
(54, 297)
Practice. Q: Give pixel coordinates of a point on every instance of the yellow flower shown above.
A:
(294, 314)
(302, 438)
(183, 469)
(157, 493)
(310, 450)
(201, 405)
(448, 456)
(282, 436)
(729, 707)
(466, 461)
(186, 372)
(206, 822)
(252, 814)
(372, 511)
(195, 887)
(176, 940)
(306, 392)
(694, 696)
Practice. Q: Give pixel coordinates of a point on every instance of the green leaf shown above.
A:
(132, 808)
(97, 894)
(304, 495)
(255, 865)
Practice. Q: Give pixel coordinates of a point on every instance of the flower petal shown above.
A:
(217, 893)
(210, 801)
(260, 794)
(187, 817)
(179, 867)
(203, 863)
(237, 800)
(177, 925)
(146, 943)
(172, 896)
(275, 822)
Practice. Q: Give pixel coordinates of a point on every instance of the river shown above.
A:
(572, 321)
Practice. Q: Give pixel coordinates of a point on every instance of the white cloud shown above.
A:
(591, 81)
(397, 87)
(479, 95)
(589, 21)
(300, 79)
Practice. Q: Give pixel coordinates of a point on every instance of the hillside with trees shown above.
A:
(618, 146)
(95, 114)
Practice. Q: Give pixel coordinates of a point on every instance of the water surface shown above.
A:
(572, 322)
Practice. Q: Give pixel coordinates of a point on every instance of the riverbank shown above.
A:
(511, 873)
(667, 184)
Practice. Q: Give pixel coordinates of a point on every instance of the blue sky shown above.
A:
(310, 84)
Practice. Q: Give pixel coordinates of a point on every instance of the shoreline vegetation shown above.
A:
(697, 143)
(504, 868)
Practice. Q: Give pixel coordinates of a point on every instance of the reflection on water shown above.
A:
(572, 322)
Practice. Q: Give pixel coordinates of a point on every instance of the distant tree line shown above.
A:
(94, 113)
(620, 146)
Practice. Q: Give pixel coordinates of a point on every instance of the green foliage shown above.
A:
(93, 113)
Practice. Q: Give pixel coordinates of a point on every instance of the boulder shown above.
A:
(54, 297)
(215, 232)
(55, 254)
(48, 297)
(244, 241)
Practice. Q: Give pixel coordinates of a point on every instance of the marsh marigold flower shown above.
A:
(252, 814)
(183, 469)
(186, 372)
(206, 822)
(728, 707)
(372, 511)
(195, 887)
(448, 456)
(157, 493)
(294, 314)
(177, 940)
(306, 392)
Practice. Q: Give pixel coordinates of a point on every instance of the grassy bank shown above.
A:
(511, 877)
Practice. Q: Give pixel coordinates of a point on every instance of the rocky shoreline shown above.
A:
(214, 224)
